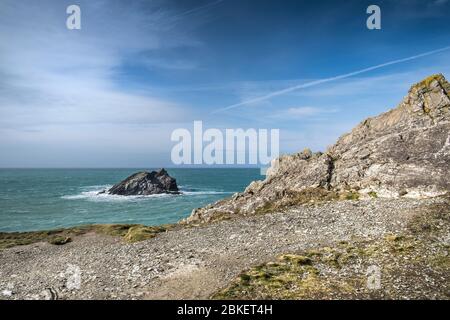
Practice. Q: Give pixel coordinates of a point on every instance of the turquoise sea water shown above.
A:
(43, 199)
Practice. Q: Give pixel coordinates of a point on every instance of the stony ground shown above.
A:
(208, 261)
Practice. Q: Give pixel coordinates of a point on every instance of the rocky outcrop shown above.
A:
(145, 183)
(404, 152)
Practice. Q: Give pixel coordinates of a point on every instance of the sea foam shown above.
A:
(92, 193)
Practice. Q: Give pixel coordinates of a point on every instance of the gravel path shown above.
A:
(190, 263)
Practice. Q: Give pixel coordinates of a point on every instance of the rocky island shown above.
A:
(367, 219)
(145, 183)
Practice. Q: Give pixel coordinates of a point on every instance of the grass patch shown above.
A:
(373, 194)
(141, 233)
(351, 195)
(295, 259)
(427, 81)
(128, 232)
(59, 241)
(57, 236)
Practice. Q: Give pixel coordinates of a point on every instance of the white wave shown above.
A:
(96, 196)
(97, 188)
(105, 197)
(197, 193)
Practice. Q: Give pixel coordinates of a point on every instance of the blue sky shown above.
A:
(110, 94)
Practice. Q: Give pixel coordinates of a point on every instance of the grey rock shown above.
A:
(146, 183)
(404, 152)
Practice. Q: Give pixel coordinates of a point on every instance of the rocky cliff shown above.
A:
(404, 152)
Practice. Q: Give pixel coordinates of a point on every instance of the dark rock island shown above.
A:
(145, 183)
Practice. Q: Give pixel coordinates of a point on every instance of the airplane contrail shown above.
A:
(200, 8)
(321, 81)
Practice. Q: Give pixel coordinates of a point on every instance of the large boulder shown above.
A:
(146, 183)
(404, 152)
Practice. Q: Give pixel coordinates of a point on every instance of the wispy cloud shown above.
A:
(197, 9)
(297, 113)
(440, 2)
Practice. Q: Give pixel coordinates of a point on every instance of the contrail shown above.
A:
(317, 82)
(194, 10)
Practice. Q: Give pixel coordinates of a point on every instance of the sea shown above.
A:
(46, 199)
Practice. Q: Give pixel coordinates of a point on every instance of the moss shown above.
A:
(115, 230)
(332, 259)
(59, 241)
(128, 232)
(245, 277)
(313, 252)
(13, 239)
(222, 217)
(393, 238)
(442, 261)
(373, 194)
(427, 81)
(351, 195)
(298, 260)
(141, 233)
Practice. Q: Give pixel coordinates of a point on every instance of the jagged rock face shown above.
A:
(403, 152)
(146, 183)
